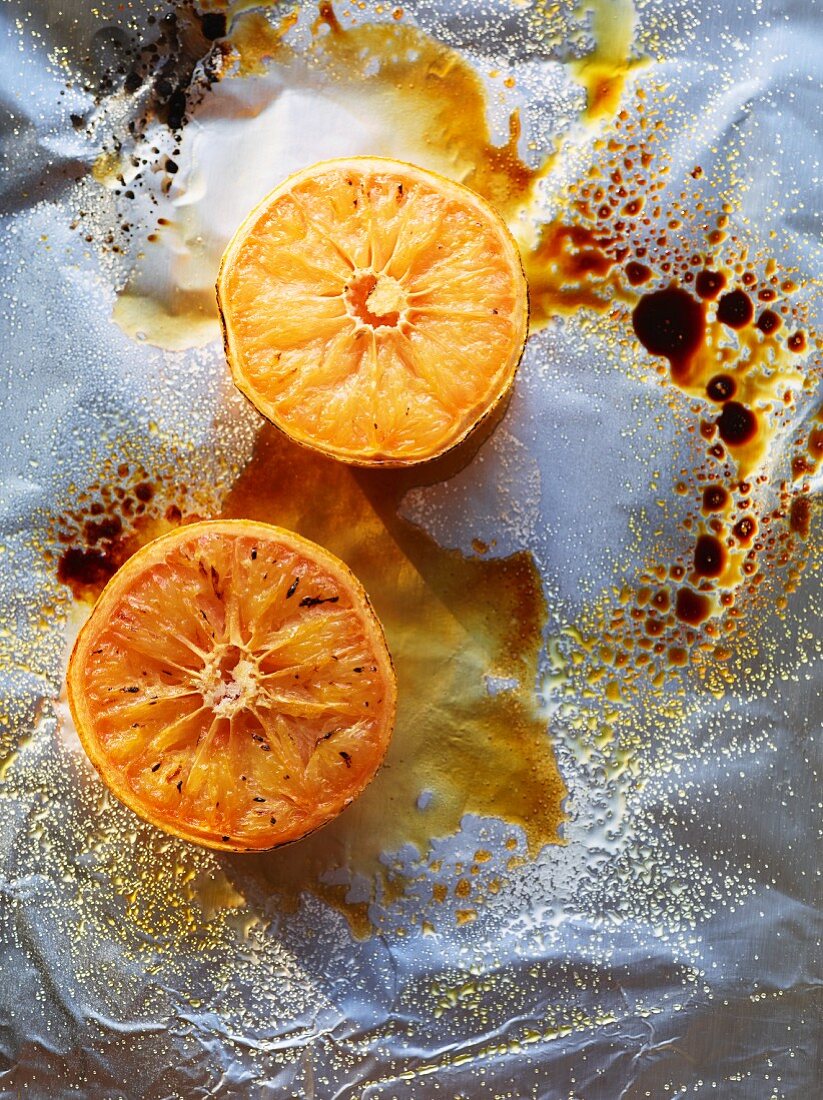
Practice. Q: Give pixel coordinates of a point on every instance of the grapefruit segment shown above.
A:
(372, 310)
(233, 686)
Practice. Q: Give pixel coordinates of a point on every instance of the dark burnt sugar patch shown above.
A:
(111, 520)
(735, 309)
(671, 323)
(692, 607)
(737, 424)
(709, 556)
(146, 87)
(708, 284)
(179, 65)
(768, 322)
(721, 388)
(167, 71)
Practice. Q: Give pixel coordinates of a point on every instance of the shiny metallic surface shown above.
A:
(670, 945)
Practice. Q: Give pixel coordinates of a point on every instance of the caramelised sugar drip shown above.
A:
(721, 353)
(743, 372)
(231, 687)
(120, 512)
(698, 302)
(671, 323)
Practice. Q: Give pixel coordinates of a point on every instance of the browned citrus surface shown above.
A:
(233, 685)
(373, 310)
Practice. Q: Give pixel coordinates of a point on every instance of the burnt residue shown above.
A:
(180, 60)
(167, 68)
(109, 522)
(616, 250)
(737, 424)
(708, 284)
(85, 569)
(721, 388)
(315, 601)
(735, 309)
(180, 64)
(671, 323)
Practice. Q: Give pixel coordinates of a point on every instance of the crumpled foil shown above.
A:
(670, 944)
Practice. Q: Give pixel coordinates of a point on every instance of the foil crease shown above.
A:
(671, 944)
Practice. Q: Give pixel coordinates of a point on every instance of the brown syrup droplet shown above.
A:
(662, 600)
(800, 467)
(144, 491)
(691, 607)
(654, 626)
(709, 556)
(797, 342)
(800, 516)
(708, 284)
(721, 387)
(715, 498)
(735, 309)
(744, 530)
(637, 273)
(816, 442)
(769, 321)
(670, 323)
(737, 424)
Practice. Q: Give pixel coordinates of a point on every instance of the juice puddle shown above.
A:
(450, 622)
